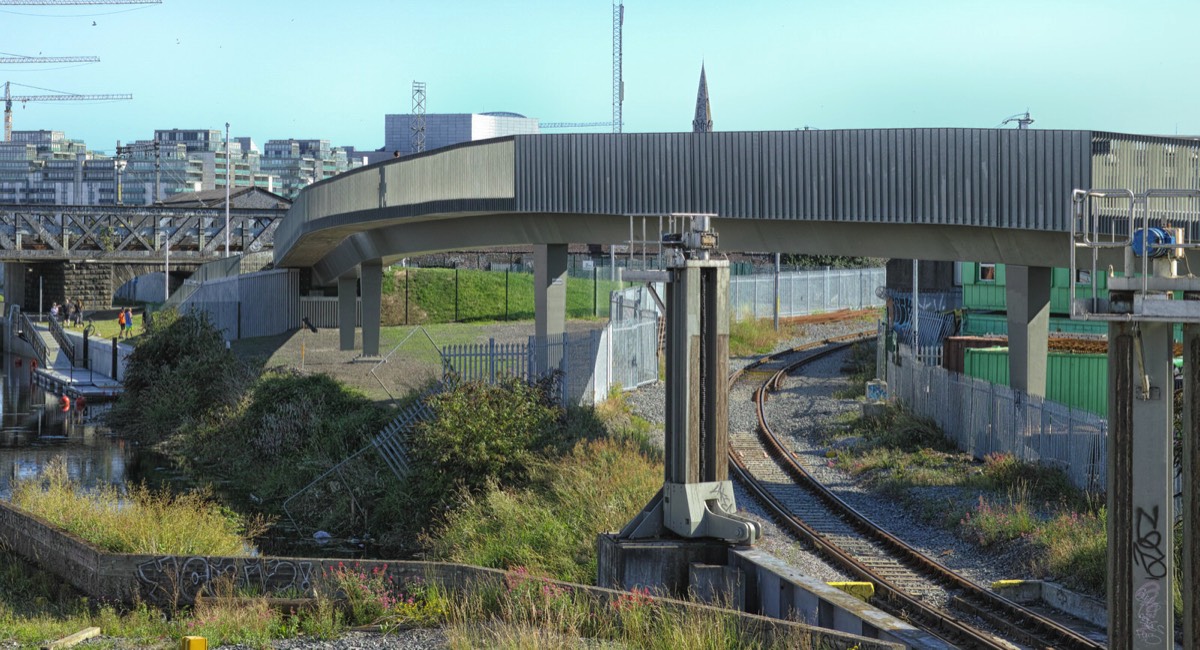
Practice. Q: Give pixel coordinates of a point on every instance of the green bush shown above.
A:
(481, 435)
(180, 372)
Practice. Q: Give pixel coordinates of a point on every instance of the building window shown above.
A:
(1083, 276)
(987, 272)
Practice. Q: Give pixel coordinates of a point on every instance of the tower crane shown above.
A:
(49, 59)
(53, 3)
(9, 98)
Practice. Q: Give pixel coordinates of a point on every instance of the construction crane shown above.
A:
(49, 59)
(63, 3)
(571, 125)
(9, 98)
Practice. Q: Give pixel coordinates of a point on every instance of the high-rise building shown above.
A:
(445, 129)
(300, 163)
(45, 167)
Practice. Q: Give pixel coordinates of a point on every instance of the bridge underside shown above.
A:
(391, 241)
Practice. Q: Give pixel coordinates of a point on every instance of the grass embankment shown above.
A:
(1001, 503)
(444, 296)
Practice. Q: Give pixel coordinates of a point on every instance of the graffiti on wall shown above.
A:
(171, 578)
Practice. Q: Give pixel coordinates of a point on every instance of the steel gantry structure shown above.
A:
(134, 233)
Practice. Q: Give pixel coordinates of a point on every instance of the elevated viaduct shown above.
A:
(936, 194)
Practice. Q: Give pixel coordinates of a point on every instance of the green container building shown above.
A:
(984, 286)
(977, 324)
(1076, 380)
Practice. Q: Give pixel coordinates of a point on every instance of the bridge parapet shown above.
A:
(131, 234)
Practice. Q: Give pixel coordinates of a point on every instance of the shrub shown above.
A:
(180, 372)
(481, 435)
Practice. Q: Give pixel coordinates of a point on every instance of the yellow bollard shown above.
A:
(193, 643)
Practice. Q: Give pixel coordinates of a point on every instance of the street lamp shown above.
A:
(228, 182)
(166, 237)
(120, 164)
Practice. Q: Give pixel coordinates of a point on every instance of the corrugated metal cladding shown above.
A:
(1138, 162)
(982, 177)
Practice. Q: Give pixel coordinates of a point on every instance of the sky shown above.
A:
(333, 69)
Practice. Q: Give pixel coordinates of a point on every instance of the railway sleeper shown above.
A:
(1015, 630)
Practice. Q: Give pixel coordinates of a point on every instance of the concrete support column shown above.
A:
(1140, 486)
(372, 297)
(347, 310)
(1027, 293)
(1191, 484)
(14, 285)
(550, 302)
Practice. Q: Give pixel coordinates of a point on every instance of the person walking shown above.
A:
(121, 322)
(129, 322)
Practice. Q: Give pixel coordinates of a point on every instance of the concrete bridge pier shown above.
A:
(367, 280)
(550, 302)
(372, 298)
(1028, 297)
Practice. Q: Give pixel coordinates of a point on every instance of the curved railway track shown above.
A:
(908, 584)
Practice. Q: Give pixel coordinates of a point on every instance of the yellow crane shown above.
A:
(9, 98)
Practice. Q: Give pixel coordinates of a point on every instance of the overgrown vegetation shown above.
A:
(1000, 502)
(757, 336)
(137, 520)
(178, 375)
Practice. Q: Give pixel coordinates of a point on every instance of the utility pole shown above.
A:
(228, 181)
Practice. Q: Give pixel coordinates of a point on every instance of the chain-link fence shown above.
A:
(984, 418)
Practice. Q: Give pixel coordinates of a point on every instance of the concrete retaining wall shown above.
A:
(166, 580)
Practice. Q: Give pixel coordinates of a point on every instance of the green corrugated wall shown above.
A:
(1077, 380)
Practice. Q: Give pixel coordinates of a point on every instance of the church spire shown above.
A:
(703, 121)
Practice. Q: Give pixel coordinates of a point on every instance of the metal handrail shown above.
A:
(64, 343)
(34, 338)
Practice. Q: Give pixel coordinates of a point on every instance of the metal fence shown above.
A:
(322, 311)
(984, 418)
(228, 267)
(243, 306)
(591, 363)
(798, 293)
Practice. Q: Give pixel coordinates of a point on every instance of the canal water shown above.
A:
(36, 429)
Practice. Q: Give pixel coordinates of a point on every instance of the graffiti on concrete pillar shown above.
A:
(1148, 544)
(1146, 607)
(173, 579)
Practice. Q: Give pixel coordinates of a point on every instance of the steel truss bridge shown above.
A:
(130, 233)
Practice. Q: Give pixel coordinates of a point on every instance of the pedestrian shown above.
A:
(54, 311)
(129, 321)
(121, 322)
(78, 312)
(65, 312)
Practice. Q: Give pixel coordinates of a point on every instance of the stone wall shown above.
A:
(93, 282)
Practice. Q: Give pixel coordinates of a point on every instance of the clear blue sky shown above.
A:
(332, 69)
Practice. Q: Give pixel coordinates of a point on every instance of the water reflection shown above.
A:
(34, 428)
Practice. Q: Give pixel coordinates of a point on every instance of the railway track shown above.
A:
(908, 584)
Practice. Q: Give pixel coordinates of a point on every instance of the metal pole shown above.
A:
(167, 268)
(456, 294)
(916, 322)
(228, 181)
(40, 312)
(776, 292)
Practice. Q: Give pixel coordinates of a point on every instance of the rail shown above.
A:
(996, 610)
(30, 334)
(65, 344)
